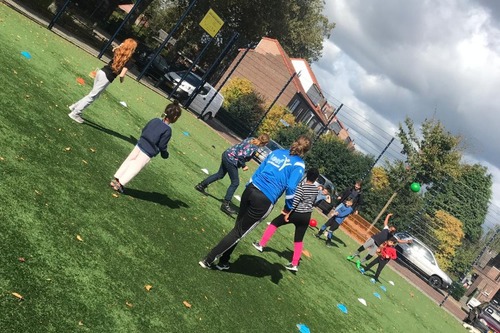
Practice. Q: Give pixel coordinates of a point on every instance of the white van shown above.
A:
(201, 100)
(187, 87)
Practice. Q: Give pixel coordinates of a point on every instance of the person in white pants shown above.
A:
(153, 141)
(118, 66)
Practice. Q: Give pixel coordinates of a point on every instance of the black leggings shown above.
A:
(254, 207)
(299, 220)
(381, 264)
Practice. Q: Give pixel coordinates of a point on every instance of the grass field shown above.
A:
(54, 188)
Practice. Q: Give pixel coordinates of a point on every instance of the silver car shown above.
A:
(421, 259)
(261, 153)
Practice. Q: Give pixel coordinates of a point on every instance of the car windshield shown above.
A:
(191, 78)
(493, 313)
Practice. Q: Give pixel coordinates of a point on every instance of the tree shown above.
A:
(272, 123)
(435, 156)
(467, 198)
(243, 102)
(299, 25)
(449, 234)
(287, 135)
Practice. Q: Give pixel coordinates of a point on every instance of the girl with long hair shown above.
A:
(279, 173)
(118, 66)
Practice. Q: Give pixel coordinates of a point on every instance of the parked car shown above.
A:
(261, 153)
(186, 87)
(421, 259)
(485, 317)
(201, 100)
(158, 68)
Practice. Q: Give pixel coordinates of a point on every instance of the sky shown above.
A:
(388, 59)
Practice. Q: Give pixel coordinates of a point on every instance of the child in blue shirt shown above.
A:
(341, 212)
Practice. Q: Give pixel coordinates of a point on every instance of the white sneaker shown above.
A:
(292, 268)
(258, 246)
(76, 117)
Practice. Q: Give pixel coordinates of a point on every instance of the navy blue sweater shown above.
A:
(154, 138)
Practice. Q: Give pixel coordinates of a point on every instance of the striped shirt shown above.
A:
(304, 198)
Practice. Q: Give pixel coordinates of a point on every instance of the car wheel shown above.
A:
(435, 281)
(207, 116)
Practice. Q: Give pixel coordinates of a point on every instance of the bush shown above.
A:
(457, 290)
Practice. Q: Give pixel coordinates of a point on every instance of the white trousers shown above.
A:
(100, 83)
(134, 163)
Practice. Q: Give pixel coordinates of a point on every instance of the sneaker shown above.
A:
(203, 263)
(258, 246)
(358, 264)
(292, 268)
(76, 117)
(222, 267)
(226, 208)
(372, 280)
(350, 258)
(329, 243)
(318, 235)
(200, 188)
(362, 271)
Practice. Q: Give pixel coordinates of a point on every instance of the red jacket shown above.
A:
(388, 252)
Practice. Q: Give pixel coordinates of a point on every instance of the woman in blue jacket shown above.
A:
(280, 172)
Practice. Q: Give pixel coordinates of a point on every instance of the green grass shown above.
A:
(54, 186)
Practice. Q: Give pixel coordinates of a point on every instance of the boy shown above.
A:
(341, 212)
(386, 252)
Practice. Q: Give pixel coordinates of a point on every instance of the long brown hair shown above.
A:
(123, 53)
(261, 140)
(301, 146)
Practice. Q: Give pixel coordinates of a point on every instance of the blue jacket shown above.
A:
(154, 138)
(279, 172)
(343, 211)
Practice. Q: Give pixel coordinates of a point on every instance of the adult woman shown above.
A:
(280, 172)
(118, 66)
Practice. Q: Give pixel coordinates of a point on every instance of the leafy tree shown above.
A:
(467, 198)
(287, 135)
(380, 179)
(433, 157)
(242, 101)
(299, 25)
(272, 124)
(449, 234)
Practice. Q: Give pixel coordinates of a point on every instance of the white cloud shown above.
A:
(390, 59)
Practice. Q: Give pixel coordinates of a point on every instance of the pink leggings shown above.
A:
(134, 163)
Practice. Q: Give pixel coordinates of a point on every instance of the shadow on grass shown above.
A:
(285, 254)
(236, 208)
(335, 241)
(155, 197)
(129, 139)
(258, 267)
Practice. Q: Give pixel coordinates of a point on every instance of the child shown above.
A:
(341, 212)
(299, 215)
(373, 243)
(232, 159)
(118, 66)
(385, 252)
(154, 140)
(279, 173)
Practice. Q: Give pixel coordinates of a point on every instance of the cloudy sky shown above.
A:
(387, 59)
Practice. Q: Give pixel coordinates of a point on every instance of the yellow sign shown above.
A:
(211, 23)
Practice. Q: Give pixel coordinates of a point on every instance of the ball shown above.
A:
(313, 223)
(415, 187)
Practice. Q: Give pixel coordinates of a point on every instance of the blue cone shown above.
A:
(26, 54)
(377, 295)
(185, 133)
(342, 308)
(303, 328)
(383, 288)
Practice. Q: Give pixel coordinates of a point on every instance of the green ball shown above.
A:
(415, 187)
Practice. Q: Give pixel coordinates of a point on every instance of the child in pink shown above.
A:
(299, 216)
